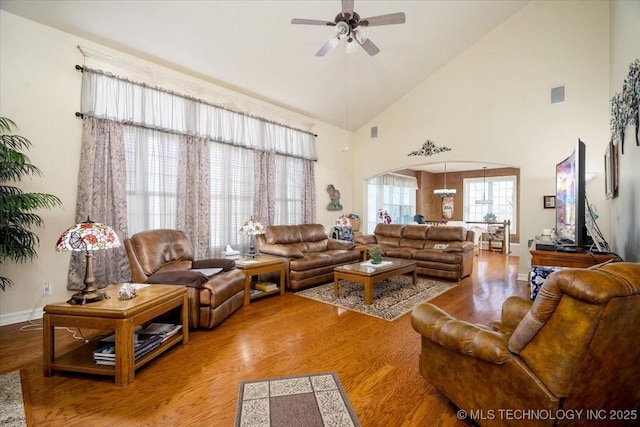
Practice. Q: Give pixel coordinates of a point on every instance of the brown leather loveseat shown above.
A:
(166, 256)
(310, 255)
(426, 245)
(568, 358)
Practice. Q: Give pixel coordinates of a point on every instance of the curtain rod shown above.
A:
(82, 116)
(82, 70)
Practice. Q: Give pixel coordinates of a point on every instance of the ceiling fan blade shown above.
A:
(392, 18)
(369, 47)
(311, 22)
(347, 8)
(328, 46)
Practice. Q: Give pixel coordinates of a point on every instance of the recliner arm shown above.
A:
(456, 335)
(223, 263)
(367, 239)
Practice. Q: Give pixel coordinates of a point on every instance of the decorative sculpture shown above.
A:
(429, 149)
(334, 195)
(625, 106)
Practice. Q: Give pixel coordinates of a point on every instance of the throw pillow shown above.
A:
(539, 274)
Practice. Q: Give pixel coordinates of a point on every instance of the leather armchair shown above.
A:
(576, 347)
(166, 256)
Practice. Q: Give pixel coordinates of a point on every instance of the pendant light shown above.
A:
(445, 192)
(484, 200)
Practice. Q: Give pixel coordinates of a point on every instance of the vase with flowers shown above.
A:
(251, 228)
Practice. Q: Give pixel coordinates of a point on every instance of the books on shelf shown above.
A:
(145, 340)
(105, 354)
(165, 330)
(265, 286)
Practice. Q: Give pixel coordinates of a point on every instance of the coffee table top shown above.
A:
(113, 307)
(361, 268)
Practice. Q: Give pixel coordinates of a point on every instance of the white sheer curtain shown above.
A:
(110, 97)
(393, 193)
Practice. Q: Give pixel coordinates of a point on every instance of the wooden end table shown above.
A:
(259, 265)
(361, 273)
(119, 316)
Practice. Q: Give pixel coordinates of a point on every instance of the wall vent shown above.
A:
(557, 94)
(374, 132)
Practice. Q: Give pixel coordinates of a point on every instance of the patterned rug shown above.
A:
(315, 400)
(12, 412)
(391, 298)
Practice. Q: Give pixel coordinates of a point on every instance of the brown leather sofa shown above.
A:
(575, 348)
(310, 255)
(166, 257)
(419, 242)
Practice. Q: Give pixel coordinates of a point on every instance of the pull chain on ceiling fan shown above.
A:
(348, 26)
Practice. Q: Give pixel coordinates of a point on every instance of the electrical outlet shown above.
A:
(46, 289)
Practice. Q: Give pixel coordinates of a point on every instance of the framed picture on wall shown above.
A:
(549, 202)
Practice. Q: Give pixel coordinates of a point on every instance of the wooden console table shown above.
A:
(568, 259)
(114, 315)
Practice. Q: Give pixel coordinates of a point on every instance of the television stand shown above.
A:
(569, 249)
(569, 259)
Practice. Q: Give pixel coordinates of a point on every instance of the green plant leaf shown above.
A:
(17, 242)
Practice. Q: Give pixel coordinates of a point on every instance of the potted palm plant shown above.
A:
(17, 241)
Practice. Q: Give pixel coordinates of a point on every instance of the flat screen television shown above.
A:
(571, 230)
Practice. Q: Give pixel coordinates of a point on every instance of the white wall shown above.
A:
(40, 91)
(625, 209)
(492, 104)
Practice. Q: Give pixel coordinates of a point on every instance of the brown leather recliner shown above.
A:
(575, 348)
(166, 256)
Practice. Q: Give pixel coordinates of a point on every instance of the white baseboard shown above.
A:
(20, 316)
(523, 277)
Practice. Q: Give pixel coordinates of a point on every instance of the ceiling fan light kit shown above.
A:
(348, 25)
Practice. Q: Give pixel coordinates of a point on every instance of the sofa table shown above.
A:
(119, 316)
(260, 265)
(361, 273)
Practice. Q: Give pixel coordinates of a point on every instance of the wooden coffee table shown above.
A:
(118, 316)
(361, 273)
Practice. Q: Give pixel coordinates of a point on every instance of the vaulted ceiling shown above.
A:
(252, 47)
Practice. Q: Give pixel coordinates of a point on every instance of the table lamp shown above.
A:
(88, 236)
(252, 227)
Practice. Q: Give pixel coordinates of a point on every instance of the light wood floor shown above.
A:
(196, 384)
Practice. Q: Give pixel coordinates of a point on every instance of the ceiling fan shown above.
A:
(348, 26)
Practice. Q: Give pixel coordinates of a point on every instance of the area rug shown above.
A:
(12, 412)
(314, 400)
(391, 298)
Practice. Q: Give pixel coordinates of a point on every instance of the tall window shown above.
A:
(231, 178)
(394, 193)
(500, 190)
(152, 160)
(289, 191)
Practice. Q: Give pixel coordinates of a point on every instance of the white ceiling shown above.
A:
(251, 46)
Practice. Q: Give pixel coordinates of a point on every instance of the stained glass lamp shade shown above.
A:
(252, 227)
(88, 236)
